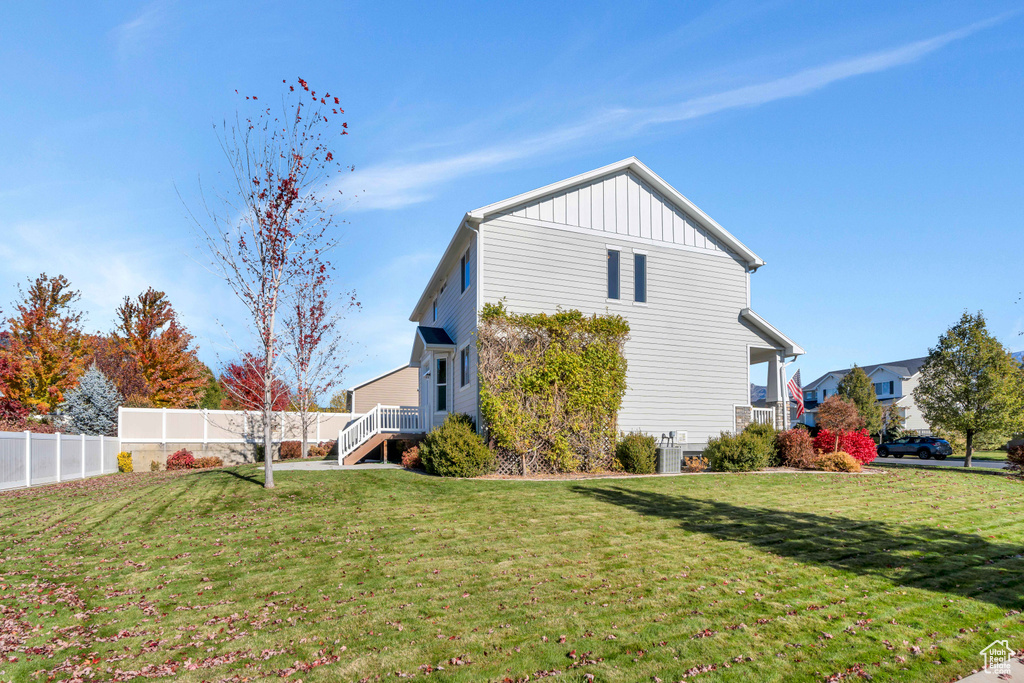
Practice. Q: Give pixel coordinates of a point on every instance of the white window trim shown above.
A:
(447, 385)
(459, 355)
(640, 251)
(612, 247)
(646, 292)
(640, 303)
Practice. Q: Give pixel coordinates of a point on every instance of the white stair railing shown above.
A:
(763, 415)
(381, 419)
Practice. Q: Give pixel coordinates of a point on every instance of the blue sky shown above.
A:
(870, 152)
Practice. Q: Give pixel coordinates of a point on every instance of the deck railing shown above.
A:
(380, 420)
(765, 416)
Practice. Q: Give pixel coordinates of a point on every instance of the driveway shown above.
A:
(948, 462)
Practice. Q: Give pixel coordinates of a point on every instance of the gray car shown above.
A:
(923, 447)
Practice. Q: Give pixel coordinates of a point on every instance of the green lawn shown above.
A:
(904, 575)
(988, 455)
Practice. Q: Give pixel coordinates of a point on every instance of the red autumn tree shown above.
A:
(315, 347)
(274, 217)
(858, 443)
(11, 410)
(45, 344)
(243, 382)
(153, 344)
(120, 367)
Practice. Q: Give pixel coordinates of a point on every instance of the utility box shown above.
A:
(670, 459)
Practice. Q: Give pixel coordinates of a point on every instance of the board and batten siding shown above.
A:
(457, 314)
(397, 388)
(688, 349)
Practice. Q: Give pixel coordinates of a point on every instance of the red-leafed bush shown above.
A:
(796, 448)
(411, 458)
(858, 444)
(291, 450)
(181, 460)
(322, 449)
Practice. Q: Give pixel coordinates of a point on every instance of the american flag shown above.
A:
(796, 392)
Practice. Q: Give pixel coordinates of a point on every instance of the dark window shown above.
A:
(435, 310)
(613, 274)
(640, 278)
(465, 270)
(442, 384)
(464, 369)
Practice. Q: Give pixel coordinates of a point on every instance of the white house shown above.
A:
(894, 383)
(617, 239)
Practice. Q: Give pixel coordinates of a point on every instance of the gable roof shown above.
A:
(903, 368)
(789, 347)
(382, 376)
(720, 238)
(647, 176)
(429, 338)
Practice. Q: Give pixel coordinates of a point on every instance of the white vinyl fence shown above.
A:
(195, 426)
(28, 459)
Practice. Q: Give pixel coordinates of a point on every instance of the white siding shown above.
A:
(688, 349)
(621, 204)
(456, 313)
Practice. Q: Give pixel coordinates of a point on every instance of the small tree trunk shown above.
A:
(268, 425)
(970, 447)
(305, 431)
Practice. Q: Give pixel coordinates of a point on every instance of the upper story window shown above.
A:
(808, 395)
(464, 367)
(883, 388)
(465, 270)
(435, 309)
(640, 278)
(824, 394)
(613, 274)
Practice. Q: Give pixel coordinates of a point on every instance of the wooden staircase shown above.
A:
(380, 439)
(377, 427)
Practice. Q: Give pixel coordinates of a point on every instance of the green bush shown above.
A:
(638, 453)
(743, 453)
(455, 449)
(766, 437)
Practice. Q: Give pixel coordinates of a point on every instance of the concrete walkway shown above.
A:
(948, 462)
(1016, 674)
(320, 465)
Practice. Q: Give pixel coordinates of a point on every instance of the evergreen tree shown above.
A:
(91, 407)
(213, 392)
(971, 384)
(857, 388)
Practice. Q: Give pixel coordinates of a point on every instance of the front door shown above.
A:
(442, 389)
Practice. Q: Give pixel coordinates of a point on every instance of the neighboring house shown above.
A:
(894, 383)
(620, 240)
(396, 387)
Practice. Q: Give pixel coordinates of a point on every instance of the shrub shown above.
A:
(290, 450)
(208, 461)
(154, 465)
(694, 464)
(1015, 458)
(124, 462)
(411, 458)
(764, 435)
(455, 449)
(322, 449)
(796, 448)
(838, 462)
(731, 453)
(638, 453)
(858, 444)
(181, 460)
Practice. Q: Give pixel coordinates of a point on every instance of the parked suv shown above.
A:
(923, 447)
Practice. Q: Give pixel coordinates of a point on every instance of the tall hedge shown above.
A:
(551, 387)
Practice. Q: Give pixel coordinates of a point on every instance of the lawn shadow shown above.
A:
(233, 473)
(913, 556)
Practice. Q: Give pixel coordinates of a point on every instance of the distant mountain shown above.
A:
(758, 393)
(1019, 355)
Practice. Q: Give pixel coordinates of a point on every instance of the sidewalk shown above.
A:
(1016, 674)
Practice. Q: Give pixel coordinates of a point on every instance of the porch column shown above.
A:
(776, 395)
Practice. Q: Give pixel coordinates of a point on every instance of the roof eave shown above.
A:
(443, 266)
(790, 347)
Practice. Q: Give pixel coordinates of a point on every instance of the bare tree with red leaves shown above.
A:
(316, 347)
(243, 383)
(276, 215)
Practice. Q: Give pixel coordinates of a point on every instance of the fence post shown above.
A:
(101, 454)
(28, 458)
(83, 456)
(206, 423)
(59, 455)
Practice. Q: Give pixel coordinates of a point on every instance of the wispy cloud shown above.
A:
(394, 185)
(135, 34)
